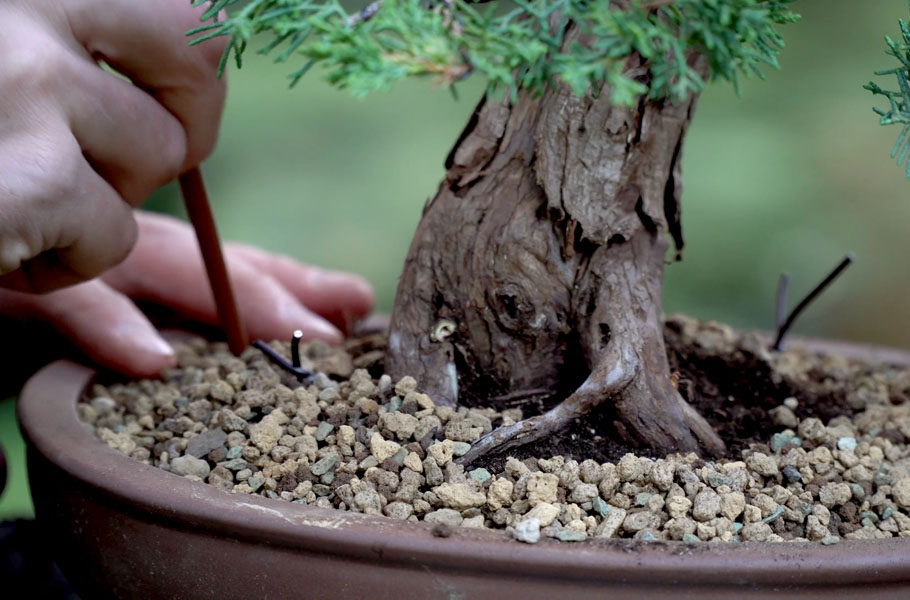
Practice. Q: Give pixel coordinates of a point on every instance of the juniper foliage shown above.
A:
(515, 44)
(898, 111)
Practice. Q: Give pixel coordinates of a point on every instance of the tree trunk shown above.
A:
(536, 270)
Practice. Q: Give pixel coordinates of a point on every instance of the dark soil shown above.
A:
(734, 381)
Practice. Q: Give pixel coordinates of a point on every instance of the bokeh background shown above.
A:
(788, 177)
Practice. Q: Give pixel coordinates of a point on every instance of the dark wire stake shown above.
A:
(783, 286)
(295, 348)
(292, 367)
(783, 329)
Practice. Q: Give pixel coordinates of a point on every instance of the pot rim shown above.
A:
(50, 425)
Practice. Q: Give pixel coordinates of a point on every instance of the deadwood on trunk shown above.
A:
(543, 252)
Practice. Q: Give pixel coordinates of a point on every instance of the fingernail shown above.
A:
(156, 346)
(324, 330)
(146, 340)
(362, 286)
(321, 278)
(312, 325)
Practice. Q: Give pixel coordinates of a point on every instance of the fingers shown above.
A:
(61, 223)
(103, 323)
(342, 298)
(271, 312)
(146, 41)
(130, 139)
(165, 267)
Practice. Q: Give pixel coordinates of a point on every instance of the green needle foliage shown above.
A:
(899, 100)
(517, 44)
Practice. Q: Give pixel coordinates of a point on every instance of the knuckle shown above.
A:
(57, 175)
(31, 71)
(34, 63)
(13, 252)
(45, 174)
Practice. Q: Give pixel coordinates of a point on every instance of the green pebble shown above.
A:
(868, 514)
(323, 430)
(779, 440)
(255, 481)
(858, 492)
(882, 478)
(325, 464)
(690, 537)
(235, 464)
(271, 494)
(320, 489)
(300, 501)
(394, 404)
(737, 527)
(886, 514)
(601, 506)
(328, 478)
(570, 535)
(368, 462)
(460, 448)
(717, 479)
(831, 539)
(642, 498)
(774, 515)
(181, 402)
(234, 452)
(399, 456)
(648, 537)
(480, 475)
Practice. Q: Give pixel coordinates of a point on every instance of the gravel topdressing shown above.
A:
(352, 442)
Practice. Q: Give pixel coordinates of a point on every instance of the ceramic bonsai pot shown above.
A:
(122, 529)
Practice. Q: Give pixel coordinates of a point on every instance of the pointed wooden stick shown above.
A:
(200, 213)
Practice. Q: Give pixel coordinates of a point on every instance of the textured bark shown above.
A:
(544, 247)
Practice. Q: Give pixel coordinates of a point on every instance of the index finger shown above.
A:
(146, 41)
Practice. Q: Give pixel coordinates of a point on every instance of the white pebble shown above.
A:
(527, 531)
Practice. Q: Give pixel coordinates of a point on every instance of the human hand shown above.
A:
(79, 146)
(275, 295)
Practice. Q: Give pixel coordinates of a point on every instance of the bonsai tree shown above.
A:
(536, 270)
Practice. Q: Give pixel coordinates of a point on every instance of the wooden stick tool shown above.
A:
(200, 213)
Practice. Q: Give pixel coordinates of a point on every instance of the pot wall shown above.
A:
(122, 529)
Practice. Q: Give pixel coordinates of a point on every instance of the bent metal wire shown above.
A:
(292, 367)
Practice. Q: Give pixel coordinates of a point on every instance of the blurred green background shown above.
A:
(788, 177)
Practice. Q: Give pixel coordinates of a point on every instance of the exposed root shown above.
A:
(614, 377)
(609, 378)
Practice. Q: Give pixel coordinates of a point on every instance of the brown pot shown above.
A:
(121, 529)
